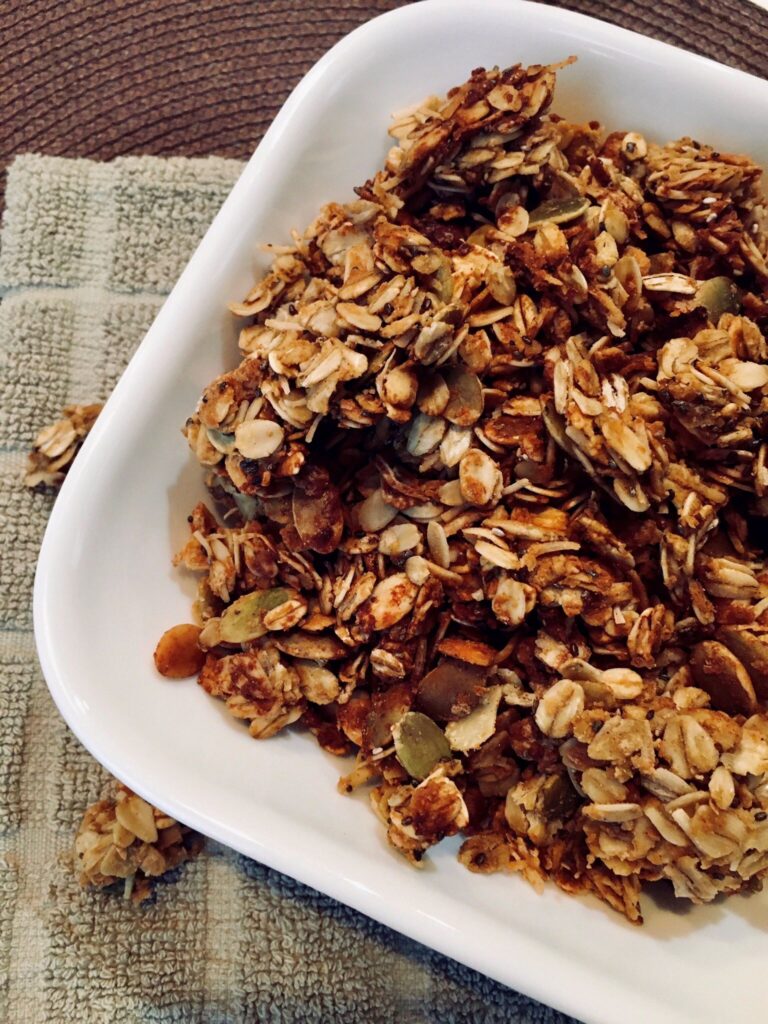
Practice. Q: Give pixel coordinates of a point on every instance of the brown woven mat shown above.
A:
(103, 78)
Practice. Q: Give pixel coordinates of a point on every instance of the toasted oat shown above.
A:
(124, 838)
(492, 479)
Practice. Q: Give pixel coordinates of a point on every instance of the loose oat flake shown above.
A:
(491, 479)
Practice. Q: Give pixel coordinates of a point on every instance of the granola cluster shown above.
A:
(124, 837)
(492, 490)
(56, 446)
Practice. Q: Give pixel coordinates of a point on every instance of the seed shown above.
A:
(420, 744)
(224, 443)
(719, 672)
(558, 211)
(244, 619)
(718, 295)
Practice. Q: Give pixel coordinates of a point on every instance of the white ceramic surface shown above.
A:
(105, 588)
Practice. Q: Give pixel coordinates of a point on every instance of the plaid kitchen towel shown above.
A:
(87, 254)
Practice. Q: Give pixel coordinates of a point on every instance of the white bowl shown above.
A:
(105, 589)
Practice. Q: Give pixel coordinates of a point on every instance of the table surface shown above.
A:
(103, 78)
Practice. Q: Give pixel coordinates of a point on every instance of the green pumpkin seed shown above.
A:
(419, 744)
(442, 281)
(718, 295)
(558, 211)
(224, 443)
(247, 506)
(243, 620)
(557, 798)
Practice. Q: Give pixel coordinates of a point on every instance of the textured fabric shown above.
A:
(102, 78)
(87, 252)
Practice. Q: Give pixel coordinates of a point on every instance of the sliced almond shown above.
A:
(471, 731)
(752, 653)
(257, 439)
(719, 672)
(358, 316)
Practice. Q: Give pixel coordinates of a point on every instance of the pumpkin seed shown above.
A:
(450, 689)
(719, 672)
(222, 442)
(751, 651)
(318, 647)
(465, 405)
(244, 619)
(718, 295)
(558, 211)
(557, 798)
(247, 506)
(420, 744)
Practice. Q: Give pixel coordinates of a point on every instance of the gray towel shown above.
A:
(88, 252)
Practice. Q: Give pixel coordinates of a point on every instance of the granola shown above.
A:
(56, 446)
(124, 838)
(491, 483)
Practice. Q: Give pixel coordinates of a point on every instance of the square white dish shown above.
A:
(105, 589)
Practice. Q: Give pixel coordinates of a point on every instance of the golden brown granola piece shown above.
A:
(56, 446)
(124, 837)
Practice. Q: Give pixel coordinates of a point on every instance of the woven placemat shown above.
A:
(102, 78)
